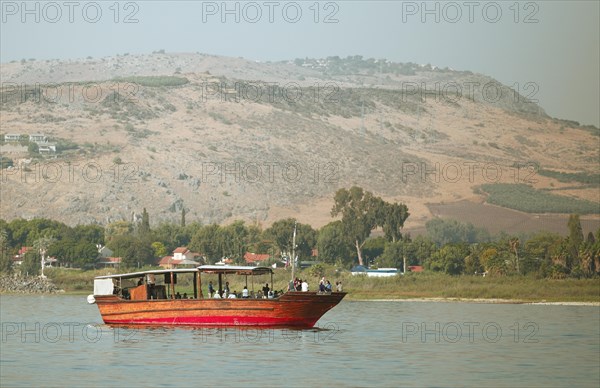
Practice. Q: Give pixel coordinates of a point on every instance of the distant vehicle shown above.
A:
(379, 272)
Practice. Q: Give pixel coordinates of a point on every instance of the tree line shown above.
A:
(448, 245)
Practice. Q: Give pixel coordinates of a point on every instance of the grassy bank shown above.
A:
(434, 285)
(416, 285)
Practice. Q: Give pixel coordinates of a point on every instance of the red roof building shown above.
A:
(415, 268)
(256, 258)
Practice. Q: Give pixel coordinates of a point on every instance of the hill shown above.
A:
(229, 138)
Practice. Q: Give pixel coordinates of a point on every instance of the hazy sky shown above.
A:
(552, 45)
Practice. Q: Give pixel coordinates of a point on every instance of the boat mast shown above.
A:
(294, 250)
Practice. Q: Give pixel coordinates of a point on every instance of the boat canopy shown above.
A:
(142, 273)
(217, 269)
(235, 269)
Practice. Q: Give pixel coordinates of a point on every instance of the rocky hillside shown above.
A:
(230, 138)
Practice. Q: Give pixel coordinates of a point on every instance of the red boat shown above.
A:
(156, 300)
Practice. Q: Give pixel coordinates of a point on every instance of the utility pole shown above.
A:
(43, 254)
(294, 251)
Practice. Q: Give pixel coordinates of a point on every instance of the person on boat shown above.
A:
(304, 286)
(178, 295)
(232, 296)
(328, 286)
(226, 289)
(270, 295)
(211, 289)
(322, 285)
(185, 295)
(245, 292)
(141, 281)
(299, 285)
(266, 290)
(217, 296)
(292, 286)
(151, 280)
(338, 286)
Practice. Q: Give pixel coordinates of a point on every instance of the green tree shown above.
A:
(120, 244)
(422, 248)
(144, 228)
(234, 240)
(393, 254)
(86, 254)
(89, 233)
(360, 211)
(5, 260)
(182, 224)
(254, 240)
(33, 149)
(207, 242)
(306, 241)
(117, 228)
(575, 240)
(373, 248)
(30, 265)
(172, 235)
(159, 249)
(449, 259)
(472, 262)
(393, 220)
(334, 247)
(281, 233)
(137, 254)
(445, 231)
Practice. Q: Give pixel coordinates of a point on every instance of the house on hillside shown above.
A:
(47, 148)
(182, 257)
(256, 258)
(38, 138)
(104, 251)
(12, 137)
(20, 256)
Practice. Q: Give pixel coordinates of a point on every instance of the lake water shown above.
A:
(59, 341)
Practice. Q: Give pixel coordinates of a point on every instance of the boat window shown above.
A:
(103, 287)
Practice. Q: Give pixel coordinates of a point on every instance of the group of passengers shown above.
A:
(325, 285)
(298, 285)
(267, 293)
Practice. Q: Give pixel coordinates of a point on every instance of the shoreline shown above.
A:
(483, 301)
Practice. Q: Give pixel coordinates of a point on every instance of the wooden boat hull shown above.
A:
(293, 309)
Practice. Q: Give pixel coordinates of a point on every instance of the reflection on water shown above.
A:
(60, 341)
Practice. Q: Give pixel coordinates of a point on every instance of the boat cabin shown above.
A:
(169, 283)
